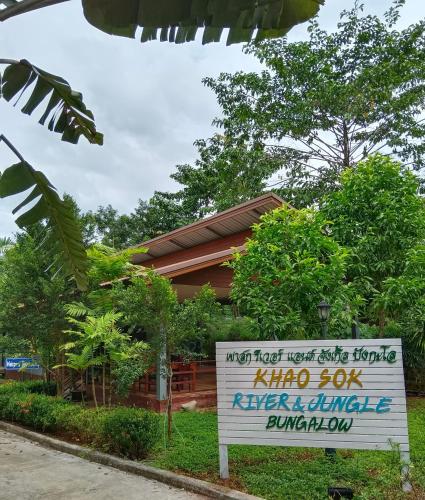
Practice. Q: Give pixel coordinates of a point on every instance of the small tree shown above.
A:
(379, 215)
(102, 339)
(151, 304)
(80, 362)
(290, 265)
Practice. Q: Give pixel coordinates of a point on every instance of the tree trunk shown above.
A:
(346, 145)
(110, 387)
(169, 402)
(82, 386)
(103, 384)
(93, 386)
(381, 316)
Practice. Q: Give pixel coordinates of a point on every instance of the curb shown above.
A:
(183, 482)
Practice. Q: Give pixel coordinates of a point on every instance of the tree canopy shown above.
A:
(380, 217)
(32, 299)
(319, 107)
(290, 265)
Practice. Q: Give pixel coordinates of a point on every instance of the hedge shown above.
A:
(129, 432)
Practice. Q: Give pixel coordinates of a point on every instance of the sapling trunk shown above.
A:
(381, 316)
(110, 387)
(82, 385)
(93, 386)
(103, 385)
(169, 402)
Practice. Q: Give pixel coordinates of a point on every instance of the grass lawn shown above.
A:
(294, 473)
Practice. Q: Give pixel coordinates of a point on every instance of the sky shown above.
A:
(148, 100)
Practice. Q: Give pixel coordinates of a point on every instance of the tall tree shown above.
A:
(31, 298)
(319, 107)
(160, 214)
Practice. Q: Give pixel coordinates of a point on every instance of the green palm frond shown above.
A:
(65, 111)
(77, 310)
(63, 234)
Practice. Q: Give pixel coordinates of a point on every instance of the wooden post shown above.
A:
(405, 480)
(224, 461)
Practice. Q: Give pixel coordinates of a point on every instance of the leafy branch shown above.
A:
(63, 234)
(65, 111)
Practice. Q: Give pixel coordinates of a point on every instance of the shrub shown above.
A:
(42, 387)
(130, 432)
(39, 411)
(32, 387)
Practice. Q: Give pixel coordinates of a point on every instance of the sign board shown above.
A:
(321, 394)
(16, 364)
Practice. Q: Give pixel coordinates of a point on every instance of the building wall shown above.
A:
(217, 276)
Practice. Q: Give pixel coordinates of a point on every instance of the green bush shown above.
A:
(42, 387)
(39, 412)
(32, 387)
(131, 432)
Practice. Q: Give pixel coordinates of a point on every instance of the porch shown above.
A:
(195, 381)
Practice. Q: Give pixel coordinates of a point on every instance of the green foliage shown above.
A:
(180, 21)
(65, 111)
(100, 342)
(14, 347)
(134, 359)
(34, 410)
(290, 265)
(131, 432)
(224, 175)
(106, 264)
(6, 244)
(186, 328)
(276, 473)
(63, 237)
(41, 387)
(149, 302)
(227, 328)
(32, 314)
(403, 300)
(380, 217)
(319, 107)
(160, 214)
(31, 387)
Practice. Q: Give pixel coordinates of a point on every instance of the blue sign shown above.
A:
(16, 364)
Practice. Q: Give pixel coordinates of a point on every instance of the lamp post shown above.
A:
(324, 310)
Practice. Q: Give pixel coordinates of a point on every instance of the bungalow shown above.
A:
(192, 256)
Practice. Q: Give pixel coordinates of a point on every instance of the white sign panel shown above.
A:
(324, 394)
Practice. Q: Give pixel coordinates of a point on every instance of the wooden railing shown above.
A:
(187, 377)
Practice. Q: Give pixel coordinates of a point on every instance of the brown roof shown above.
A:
(231, 221)
(188, 266)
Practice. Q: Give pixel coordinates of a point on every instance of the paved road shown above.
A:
(30, 472)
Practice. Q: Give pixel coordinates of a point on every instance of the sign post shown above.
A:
(321, 394)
